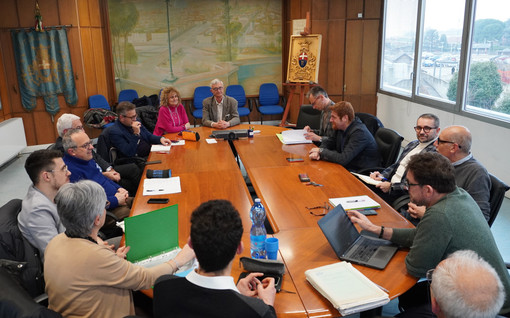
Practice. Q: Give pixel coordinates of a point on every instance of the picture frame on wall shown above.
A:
(304, 58)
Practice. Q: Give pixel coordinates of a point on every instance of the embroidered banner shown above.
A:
(44, 68)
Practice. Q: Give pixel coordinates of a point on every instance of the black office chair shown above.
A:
(372, 122)
(308, 116)
(497, 194)
(389, 142)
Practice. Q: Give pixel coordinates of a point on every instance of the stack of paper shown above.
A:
(160, 148)
(366, 179)
(361, 202)
(346, 288)
(293, 136)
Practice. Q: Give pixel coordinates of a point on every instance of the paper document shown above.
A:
(361, 202)
(160, 148)
(294, 136)
(157, 186)
(366, 179)
(346, 288)
(211, 141)
(181, 142)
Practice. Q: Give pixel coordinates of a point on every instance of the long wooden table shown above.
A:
(210, 171)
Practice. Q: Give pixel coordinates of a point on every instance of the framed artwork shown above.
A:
(304, 58)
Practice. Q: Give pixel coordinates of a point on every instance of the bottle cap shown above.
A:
(257, 200)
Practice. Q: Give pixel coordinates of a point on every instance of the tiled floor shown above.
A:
(14, 183)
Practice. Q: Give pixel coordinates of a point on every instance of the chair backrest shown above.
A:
(104, 146)
(201, 93)
(237, 92)
(98, 101)
(372, 122)
(388, 142)
(127, 95)
(268, 94)
(308, 116)
(497, 194)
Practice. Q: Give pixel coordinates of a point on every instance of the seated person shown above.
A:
(455, 144)
(129, 136)
(209, 291)
(84, 277)
(128, 175)
(172, 115)
(391, 187)
(319, 99)
(78, 158)
(352, 146)
(220, 111)
(38, 220)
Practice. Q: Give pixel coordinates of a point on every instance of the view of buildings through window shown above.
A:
(435, 73)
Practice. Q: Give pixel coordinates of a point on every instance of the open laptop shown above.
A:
(350, 245)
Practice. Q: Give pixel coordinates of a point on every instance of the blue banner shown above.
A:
(44, 68)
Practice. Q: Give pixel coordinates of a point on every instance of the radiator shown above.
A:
(12, 139)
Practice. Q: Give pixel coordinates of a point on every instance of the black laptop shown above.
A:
(350, 245)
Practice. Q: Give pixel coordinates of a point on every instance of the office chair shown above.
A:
(127, 95)
(100, 102)
(237, 92)
(308, 116)
(388, 142)
(372, 122)
(201, 93)
(497, 194)
(269, 101)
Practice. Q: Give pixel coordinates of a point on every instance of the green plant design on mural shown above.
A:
(123, 19)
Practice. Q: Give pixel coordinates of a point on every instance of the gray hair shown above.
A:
(67, 141)
(316, 91)
(78, 205)
(215, 81)
(466, 286)
(66, 122)
(431, 116)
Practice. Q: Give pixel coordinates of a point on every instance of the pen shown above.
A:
(354, 201)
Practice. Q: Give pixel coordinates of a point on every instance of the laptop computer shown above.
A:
(350, 245)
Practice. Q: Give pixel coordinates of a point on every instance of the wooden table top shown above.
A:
(210, 171)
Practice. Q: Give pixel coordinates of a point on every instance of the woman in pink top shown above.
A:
(172, 115)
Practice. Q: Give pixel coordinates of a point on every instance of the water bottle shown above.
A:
(258, 231)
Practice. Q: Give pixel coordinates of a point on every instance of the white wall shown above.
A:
(491, 144)
(12, 139)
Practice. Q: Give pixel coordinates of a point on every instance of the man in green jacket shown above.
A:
(452, 221)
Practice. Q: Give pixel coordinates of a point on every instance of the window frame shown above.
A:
(458, 107)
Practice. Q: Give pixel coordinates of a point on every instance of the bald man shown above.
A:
(455, 144)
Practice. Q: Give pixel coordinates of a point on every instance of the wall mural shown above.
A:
(187, 43)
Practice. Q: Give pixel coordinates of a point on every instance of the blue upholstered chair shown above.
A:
(99, 101)
(201, 93)
(237, 92)
(269, 100)
(127, 95)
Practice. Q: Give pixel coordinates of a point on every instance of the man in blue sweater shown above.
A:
(79, 160)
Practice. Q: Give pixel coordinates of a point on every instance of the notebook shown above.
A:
(153, 237)
(360, 202)
(350, 245)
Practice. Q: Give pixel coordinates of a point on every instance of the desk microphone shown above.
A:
(158, 173)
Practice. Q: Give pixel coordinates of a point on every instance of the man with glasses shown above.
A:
(129, 136)
(219, 110)
(78, 157)
(319, 99)
(391, 187)
(455, 144)
(452, 222)
(38, 220)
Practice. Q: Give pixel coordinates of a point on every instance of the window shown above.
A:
(431, 55)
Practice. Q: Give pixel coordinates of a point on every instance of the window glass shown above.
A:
(488, 87)
(441, 44)
(399, 46)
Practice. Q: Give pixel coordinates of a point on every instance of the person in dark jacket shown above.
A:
(352, 146)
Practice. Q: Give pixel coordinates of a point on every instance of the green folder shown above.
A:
(152, 233)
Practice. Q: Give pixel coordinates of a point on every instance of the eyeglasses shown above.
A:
(429, 274)
(440, 141)
(85, 145)
(407, 185)
(425, 129)
(326, 208)
(107, 204)
(132, 117)
(316, 99)
(217, 88)
(173, 97)
(63, 169)
(79, 127)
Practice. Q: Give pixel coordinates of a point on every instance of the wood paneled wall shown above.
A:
(89, 48)
(350, 47)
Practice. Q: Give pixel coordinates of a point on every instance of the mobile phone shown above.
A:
(295, 159)
(157, 200)
(303, 177)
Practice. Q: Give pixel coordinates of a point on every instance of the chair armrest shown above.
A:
(41, 299)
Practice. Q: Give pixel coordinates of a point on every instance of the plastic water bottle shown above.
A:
(258, 231)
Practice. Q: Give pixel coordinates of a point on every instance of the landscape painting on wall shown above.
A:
(187, 43)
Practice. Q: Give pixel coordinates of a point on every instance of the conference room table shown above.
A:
(212, 171)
